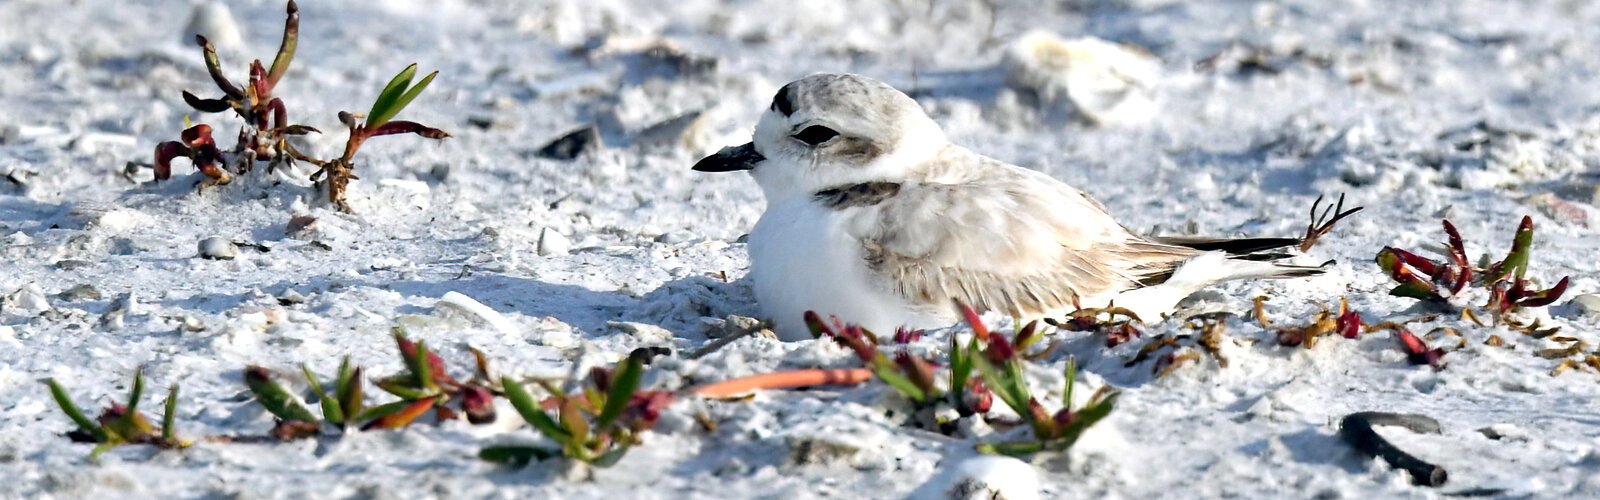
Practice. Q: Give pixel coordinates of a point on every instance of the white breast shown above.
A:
(802, 260)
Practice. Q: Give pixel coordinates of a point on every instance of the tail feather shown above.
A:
(1234, 246)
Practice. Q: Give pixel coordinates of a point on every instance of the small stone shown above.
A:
(687, 132)
(552, 242)
(733, 325)
(214, 21)
(300, 226)
(28, 300)
(79, 293)
(290, 297)
(674, 237)
(69, 264)
(1587, 304)
(649, 333)
(572, 144)
(215, 248)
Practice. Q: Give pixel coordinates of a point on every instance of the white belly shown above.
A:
(801, 259)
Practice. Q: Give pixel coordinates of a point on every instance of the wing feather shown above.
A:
(1001, 238)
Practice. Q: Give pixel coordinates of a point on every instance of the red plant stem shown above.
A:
(783, 380)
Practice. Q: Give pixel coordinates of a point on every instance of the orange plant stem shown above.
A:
(783, 380)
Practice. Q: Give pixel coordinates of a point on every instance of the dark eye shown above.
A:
(816, 134)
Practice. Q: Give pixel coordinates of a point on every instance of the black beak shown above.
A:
(731, 159)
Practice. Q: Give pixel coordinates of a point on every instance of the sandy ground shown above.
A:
(1479, 111)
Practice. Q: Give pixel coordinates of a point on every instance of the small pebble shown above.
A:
(68, 265)
(80, 293)
(218, 249)
(1587, 304)
(572, 145)
(688, 132)
(552, 242)
(27, 300)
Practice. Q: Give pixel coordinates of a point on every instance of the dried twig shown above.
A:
(1322, 224)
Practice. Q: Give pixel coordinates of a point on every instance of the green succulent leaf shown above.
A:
(610, 458)
(169, 427)
(84, 423)
(137, 392)
(330, 405)
(885, 371)
(1007, 384)
(1072, 379)
(421, 369)
(350, 397)
(572, 419)
(387, 104)
(1414, 291)
(1086, 418)
(380, 411)
(291, 37)
(517, 456)
(531, 412)
(272, 396)
(1516, 263)
(623, 384)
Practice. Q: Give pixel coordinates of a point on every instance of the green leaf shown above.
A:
(1072, 379)
(517, 456)
(404, 417)
(1004, 385)
(885, 371)
(411, 95)
(275, 398)
(291, 37)
(381, 411)
(1087, 417)
(137, 392)
(384, 108)
(1387, 261)
(102, 449)
(1414, 291)
(169, 427)
(1516, 263)
(402, 386)
(420, 368)
(346, 376)
(330, 405)
(72, 411)
(531, 413)
(572, 419)
(610, 458)
(215, 69)
(623, 384)
(350, 397)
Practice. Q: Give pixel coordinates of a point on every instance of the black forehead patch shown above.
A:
(784, 101)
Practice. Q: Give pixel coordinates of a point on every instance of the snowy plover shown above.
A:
(874, 217)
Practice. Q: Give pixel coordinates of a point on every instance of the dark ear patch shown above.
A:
(784, 101)
(865, 194)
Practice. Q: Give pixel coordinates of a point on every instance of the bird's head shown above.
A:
(829, 130)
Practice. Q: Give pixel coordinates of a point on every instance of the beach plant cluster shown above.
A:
(266, 128)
